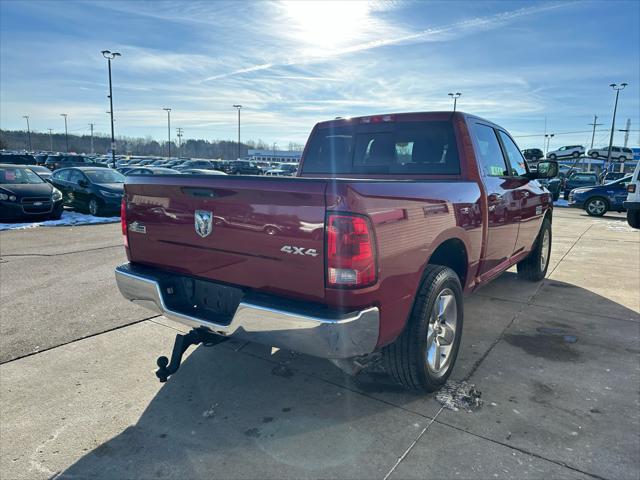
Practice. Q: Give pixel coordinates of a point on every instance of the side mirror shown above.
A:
(547, 169)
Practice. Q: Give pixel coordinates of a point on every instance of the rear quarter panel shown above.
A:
(410, 220)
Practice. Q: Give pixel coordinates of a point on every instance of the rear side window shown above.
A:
(490, 158)
(427, 148)
(62, 175)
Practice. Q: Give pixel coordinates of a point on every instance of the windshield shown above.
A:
(104, 176)
(18, 176)
(620, 180)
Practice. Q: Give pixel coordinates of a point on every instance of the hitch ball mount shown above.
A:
(181, 344)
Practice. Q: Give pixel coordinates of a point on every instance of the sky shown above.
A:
(292, 64)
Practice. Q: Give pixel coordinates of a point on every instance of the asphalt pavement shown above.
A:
(557, 362)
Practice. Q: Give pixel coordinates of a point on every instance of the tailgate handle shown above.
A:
(199, 192)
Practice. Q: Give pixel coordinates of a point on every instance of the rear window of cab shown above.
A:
(427, 148)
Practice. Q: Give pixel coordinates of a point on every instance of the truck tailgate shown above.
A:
(256, 232)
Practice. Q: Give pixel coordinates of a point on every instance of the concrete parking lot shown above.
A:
(558, 365)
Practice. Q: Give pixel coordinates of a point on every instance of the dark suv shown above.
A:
(54, 162)
(239, 167)
(533, 154)
(200, 164)
(17, 159)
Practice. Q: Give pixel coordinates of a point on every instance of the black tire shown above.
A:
(552, 156)
(622, 158)
(633, 218)
(596, 206)
(532, 268)
(94, 207)
(594, 155)
(406, 359)
(56, 214)
(575, 154)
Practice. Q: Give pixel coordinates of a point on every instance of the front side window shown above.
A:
(515, 158)
(489, 154)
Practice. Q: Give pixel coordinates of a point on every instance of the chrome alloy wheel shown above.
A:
(546, 250)
(596, 207)
(441, 332)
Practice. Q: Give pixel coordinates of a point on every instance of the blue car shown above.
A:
(600, 199)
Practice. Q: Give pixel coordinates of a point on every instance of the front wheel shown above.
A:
(552, 156)
(575, 154)
(534, 267)
(423, 356)
(633, 218)
(94, 207)
(596, 207)
(594, 155)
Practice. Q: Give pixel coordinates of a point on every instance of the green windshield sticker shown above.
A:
(496, 170)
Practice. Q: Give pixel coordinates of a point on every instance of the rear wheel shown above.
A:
(423, 356)
(594, 155)
(552, 156)
(575, 154)
(633, 218)
(534, 267)
(596, 206)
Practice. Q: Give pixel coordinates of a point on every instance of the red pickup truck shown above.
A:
(389, 220)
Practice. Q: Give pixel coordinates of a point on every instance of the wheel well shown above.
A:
(453, 254)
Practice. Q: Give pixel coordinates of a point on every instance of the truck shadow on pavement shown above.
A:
(236, 411)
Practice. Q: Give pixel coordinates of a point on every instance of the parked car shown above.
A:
(40, 158)
(578, 179)
(333, 280)
(242, 167)
(17, 159)
(26, 196)
(53, 162)
(276, 172)
(199, 164)
(621, 154)
(573, 151)
(201, 171)
(152, 171)
(533, 154)
(598, 200)
(42, 172)
(632, 202)
(92, 189)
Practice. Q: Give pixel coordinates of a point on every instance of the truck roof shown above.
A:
(401, 117)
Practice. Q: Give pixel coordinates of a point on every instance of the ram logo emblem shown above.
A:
(203, 222)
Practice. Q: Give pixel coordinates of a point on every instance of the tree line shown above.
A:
(226, 149)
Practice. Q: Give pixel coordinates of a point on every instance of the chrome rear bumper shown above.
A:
(314, 331)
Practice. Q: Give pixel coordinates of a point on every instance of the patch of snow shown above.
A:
(561, 202)
(620, 227)
(69, 218)
(459, 396)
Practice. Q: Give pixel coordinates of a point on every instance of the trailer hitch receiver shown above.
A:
(181, 344)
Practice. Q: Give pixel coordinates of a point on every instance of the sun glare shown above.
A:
(322, 26)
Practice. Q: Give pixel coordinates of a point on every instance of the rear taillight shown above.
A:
(351, 251)
(123, 221)
(631, 188)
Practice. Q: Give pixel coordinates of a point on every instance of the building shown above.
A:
(282, 156)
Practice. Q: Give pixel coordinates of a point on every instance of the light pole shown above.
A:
(617, 89)
(110, 56)
(168, 110)
(548, 136)
(91, 126)
(593, 136)
(238, 107)
(455, 97)
(66, 135)
(179, 135)
(50, 139)
(26, 117)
